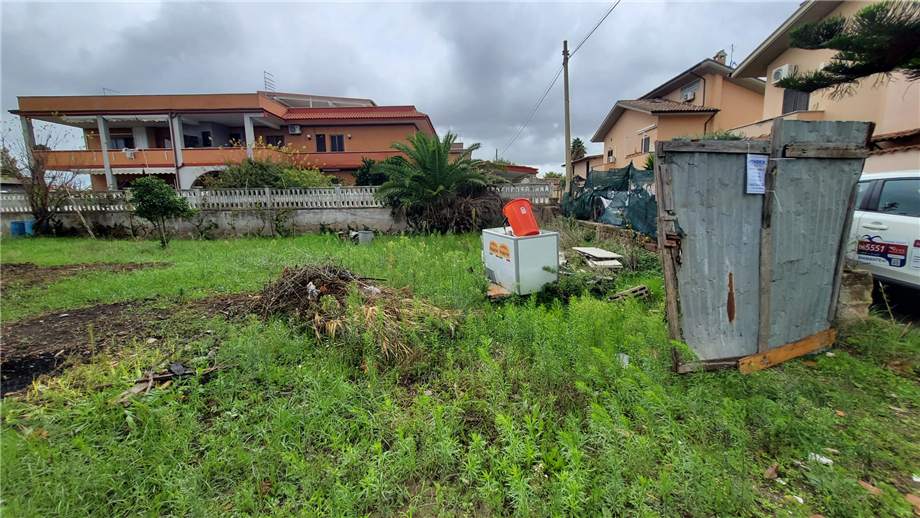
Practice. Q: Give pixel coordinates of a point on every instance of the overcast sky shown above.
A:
(476, 68)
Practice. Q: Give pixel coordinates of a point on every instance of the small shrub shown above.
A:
(156, 202)
(252, 173)
(371, 172)
(296, 178)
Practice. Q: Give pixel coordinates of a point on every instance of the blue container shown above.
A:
(30, 227)
(17, 228)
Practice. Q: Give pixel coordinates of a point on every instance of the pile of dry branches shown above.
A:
(333, 301)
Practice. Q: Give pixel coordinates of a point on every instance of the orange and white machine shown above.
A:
(520, 264)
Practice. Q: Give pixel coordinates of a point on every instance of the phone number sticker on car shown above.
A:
(871, 249)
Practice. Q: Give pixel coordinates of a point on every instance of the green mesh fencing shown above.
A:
(618, 197)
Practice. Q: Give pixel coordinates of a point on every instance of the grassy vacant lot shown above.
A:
(527, 410)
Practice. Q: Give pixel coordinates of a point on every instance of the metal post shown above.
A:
(104, 140)
(569, 173)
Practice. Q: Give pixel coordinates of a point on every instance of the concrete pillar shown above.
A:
(250, 134)
(179, 139)
(28, 138)
(104, 141)
(140, 137)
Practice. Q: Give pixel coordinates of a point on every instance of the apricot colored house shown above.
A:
(582, 166)
(705, 98)
(893, 103)
(182, 137)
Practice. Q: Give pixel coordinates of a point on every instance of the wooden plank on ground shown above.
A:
(612, 264)
(496, 292)
(596, 253)
(639, 292)
(778, 355)
(759, 147)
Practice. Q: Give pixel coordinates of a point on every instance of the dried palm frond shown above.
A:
(317, 296)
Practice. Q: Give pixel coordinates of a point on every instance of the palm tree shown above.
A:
(578, 149)
(427, 184)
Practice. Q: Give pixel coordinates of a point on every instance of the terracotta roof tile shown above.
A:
(895, 135)
(363, 112)
(664, 106)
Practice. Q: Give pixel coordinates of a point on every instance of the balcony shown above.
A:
(77, 160)
(202, 157)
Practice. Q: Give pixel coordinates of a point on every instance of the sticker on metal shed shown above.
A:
(872, 249)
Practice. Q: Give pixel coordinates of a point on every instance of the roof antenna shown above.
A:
(269, 80)
(106, 91)
(731, 56)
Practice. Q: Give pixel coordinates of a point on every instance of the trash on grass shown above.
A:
(820, 459)
(163, 379)
(772, 472)
(637, 292)
(317, 296)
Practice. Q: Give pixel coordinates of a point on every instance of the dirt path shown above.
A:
(27, 275)
(43, 344)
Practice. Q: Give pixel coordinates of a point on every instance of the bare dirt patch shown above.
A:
(43, 344)
(27, 275)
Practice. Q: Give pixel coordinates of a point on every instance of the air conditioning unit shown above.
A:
(688, 95)
(782, 72)
(294, 129)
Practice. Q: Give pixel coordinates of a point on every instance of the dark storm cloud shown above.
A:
(475, 68)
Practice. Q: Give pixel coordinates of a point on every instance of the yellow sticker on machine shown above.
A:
(500, 250)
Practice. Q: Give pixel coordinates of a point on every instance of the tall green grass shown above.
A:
(529, 410)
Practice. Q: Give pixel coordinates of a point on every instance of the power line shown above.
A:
(599, 22)
(552, 83)
(533, 111)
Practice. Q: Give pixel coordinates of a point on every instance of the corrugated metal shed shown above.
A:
(747, 273)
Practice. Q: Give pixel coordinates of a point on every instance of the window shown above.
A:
(121, 142)
(610, 157)
(862, 189)
(206, 139)
(338, 143)
(646, 143)
(192, 141)
(274, 140)
(901, 197)
(794, 101)
(320, 143)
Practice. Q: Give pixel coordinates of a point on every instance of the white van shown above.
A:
(885, 235)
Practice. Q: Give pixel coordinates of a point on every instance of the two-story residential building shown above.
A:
(705, 98)
(182, 137)
(582, 166)
(893, 104)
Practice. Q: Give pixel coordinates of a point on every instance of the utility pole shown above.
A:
(569, 173)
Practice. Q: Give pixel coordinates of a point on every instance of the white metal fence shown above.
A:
(262, 198)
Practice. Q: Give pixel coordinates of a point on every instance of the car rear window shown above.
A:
(862, 188)
(900, 197)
